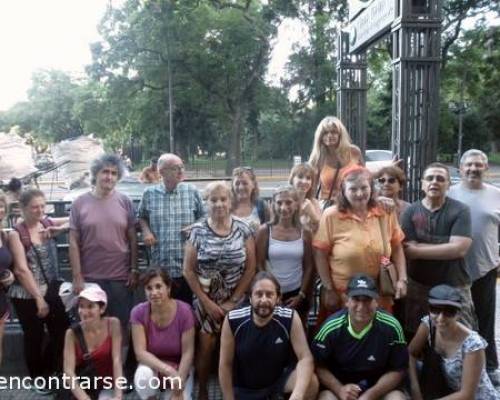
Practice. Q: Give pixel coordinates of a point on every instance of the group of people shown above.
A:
(235, 275)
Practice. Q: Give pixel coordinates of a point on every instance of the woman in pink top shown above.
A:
(102, 338)
(163, 335)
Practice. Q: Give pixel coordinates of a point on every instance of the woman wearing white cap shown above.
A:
(93, 348)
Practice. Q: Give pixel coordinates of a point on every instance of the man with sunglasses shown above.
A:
(360, 351)
(482, 259)
(438, 235)
(166, 212)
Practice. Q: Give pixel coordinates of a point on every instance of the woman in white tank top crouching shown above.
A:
(284, 249)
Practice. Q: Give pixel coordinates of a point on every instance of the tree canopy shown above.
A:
(196, 70)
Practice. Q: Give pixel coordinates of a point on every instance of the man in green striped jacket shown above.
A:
(361, 351)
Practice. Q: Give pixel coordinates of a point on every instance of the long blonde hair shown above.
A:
(318, 152)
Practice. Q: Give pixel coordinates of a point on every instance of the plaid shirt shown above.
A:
(167, 212)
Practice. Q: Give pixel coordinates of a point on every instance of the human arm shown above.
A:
(24, 275)
(133, 278)
(307, 274)
(59, 225)
(473, 364)
(187, 343)
(147, 236)
(69, 365)
(226, 361)
(457, 247)
(399, 260)
(305, 365)
(74, 261)
(415, 349)
(116, 355)
(189, 272)
(246, 278)
(311, 208)
(144, 356)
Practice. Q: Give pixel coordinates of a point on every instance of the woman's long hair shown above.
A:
(318, 152)
(295, 195)
(307, 170)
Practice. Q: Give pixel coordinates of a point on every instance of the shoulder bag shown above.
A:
(432, 379)
(388, 276)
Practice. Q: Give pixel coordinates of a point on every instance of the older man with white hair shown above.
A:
(482, 259)
(166, 211)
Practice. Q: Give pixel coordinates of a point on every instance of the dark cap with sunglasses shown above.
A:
(444, 296)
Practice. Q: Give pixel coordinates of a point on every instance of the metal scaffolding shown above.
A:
(415, 35)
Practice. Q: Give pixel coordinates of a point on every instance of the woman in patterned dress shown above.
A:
(219, 263)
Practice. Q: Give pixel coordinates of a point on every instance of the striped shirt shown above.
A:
(167, 212)
(221, 256)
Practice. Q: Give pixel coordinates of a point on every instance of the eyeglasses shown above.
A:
(390, 180)
(437, 178)
(240, 170)
(446, 311)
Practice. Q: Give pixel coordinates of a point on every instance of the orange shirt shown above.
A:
(326, 177)
(355, 246)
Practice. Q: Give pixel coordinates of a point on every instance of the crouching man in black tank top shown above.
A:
(264, 350)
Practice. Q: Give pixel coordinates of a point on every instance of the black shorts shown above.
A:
(277, 387)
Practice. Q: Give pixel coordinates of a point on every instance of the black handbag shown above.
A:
(86, 370)
(433, 382)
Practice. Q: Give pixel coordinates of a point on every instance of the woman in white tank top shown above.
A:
(284, 249)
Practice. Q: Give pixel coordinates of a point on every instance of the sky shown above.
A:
(55, 34)
(37, 34)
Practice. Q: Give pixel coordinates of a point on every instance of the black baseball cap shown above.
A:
(362, 285)
(445, 295)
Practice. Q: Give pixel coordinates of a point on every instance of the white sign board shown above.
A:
(356, 6)
(371, 22)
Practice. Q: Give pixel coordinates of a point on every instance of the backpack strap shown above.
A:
(261, 210)
(24, 233)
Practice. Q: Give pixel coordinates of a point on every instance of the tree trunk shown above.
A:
(234, 150)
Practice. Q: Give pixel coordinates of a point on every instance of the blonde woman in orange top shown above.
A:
(349, 240)
(332, 151)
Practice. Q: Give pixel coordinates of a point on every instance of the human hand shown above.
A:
(411, 249)
(387, 204)
(350, 391)
(42, 308)
(330, 299)
(149, 239)
(401, 289)
(78, 284)
(228, 306)
(133, 278)
(214, 310)
(8, 280)
(50, 231)
(293, 301)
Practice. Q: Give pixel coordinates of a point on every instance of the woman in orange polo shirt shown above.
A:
(349, 240)
(332, 152)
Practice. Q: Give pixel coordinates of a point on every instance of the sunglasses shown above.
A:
(175, 167)
(437, 178)
(388, 180)
(239, 170)
(446, 311)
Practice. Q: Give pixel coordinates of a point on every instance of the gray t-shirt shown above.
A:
(435, 227)
(102, 225)
(484, 207)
